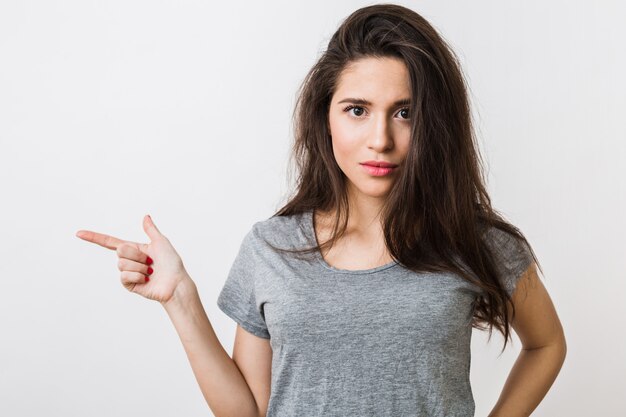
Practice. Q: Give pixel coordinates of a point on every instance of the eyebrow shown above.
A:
(404, 101)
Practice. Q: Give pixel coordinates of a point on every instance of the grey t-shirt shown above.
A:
(384, 341)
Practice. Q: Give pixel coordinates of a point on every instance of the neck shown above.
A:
(364, 217)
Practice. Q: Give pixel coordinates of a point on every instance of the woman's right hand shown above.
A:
(157, 280)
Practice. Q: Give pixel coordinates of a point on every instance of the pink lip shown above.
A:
(384, 164)
(378, 171)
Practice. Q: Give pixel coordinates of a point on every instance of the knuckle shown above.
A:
(120, 264)
(129, 277)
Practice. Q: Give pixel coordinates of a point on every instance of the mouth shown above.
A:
(380, 164)
(378, 171)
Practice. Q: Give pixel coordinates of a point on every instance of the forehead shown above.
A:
(374, 78)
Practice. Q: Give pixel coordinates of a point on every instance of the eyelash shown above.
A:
(350, 107)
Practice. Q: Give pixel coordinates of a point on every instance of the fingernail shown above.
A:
(150, 270)
(147, 279)
(149, 260)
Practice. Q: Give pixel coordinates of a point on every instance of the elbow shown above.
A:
(563, 347)
(559, 347)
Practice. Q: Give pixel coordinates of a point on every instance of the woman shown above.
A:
(359, 296)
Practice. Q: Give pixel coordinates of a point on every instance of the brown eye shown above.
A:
(355, 108)
(406, 113)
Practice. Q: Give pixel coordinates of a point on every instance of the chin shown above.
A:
(374, 192)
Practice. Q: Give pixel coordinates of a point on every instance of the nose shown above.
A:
(381, 137)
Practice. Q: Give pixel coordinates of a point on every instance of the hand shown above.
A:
(168, 270)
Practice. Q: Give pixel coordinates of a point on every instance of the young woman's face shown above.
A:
(369, 120)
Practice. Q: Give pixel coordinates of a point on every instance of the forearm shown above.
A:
(530, 379)
(222, 384)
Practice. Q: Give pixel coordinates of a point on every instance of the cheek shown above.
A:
(404, 145)
(345, 149)
(345, 141)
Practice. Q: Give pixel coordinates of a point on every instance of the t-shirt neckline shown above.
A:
(308, 219)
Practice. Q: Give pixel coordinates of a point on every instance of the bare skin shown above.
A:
(380, 131)
(222, 381)
(169, 271)
(377, 131)
(356, 250)
(543, 351)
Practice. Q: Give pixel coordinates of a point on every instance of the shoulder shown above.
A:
(500, 240)
(512, 253)
(280, 230)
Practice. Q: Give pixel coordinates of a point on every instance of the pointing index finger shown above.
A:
(101, 239)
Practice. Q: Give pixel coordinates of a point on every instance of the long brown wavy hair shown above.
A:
(438, 206)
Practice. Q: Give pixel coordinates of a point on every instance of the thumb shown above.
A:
(150, 228)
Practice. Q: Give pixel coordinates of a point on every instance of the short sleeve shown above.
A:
(237, 298)
(511, 255)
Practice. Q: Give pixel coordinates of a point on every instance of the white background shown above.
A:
(110, 110)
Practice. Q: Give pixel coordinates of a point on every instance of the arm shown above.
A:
(543, 349)
(231, 387)
(221, 382)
